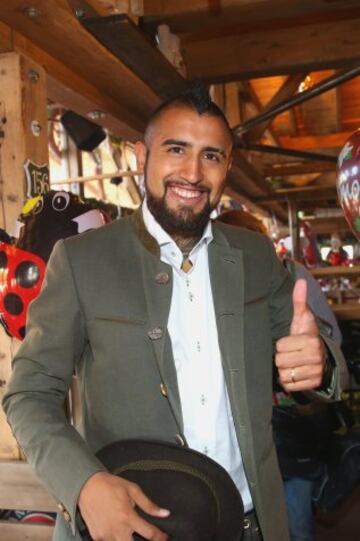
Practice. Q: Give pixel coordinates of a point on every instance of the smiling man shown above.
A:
(171, 323)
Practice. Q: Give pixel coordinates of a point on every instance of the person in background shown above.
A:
(337, 255)
(299, 425)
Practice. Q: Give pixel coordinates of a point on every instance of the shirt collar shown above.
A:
(164, 239)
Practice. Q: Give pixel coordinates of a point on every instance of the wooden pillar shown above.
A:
(232, 104)
(23, 142)
(294, 229)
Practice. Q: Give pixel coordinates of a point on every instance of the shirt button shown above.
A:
(202, 400)
(162, 278)
(191, 297)
(155, 333)
(206, 450)
(198, 347)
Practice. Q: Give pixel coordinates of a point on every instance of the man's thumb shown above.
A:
(303, 320)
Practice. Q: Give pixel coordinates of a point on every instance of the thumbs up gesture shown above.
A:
(301, 357)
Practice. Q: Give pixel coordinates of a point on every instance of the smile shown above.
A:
(186, 193)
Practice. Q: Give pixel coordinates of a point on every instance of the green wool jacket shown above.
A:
(103, 314)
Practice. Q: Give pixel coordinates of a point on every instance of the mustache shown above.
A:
(182, 183)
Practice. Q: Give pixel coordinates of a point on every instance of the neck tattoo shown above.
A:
(186, 244)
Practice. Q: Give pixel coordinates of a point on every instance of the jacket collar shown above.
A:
(152, 246)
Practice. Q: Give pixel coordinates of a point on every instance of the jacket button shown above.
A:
(155, 333)
(162, 278)
(163, 389)
(64, 512)
(180, 440)
(67, 516)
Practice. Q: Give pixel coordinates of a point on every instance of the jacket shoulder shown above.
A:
(241, 238)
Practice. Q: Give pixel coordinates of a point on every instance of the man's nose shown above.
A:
(192, 170)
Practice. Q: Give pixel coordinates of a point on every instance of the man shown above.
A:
(170, 324)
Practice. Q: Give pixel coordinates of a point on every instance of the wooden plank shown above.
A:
(20, 488)
(333, 272)
(272, 52)
(25, 532)
(70, 90)
(232, 104)
(124, 39)
(248, 181)
(23, 106)
(8, 446)
(54, 25)
(297, 168)
(249, 93)
(315, 142)
(194, 16)
(303, 193)
(346, 311)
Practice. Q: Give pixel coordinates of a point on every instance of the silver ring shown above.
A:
(292, 375)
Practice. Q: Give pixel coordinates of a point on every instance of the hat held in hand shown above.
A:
(203, 500)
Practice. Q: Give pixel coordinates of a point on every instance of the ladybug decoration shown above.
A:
(44, 220)
(348, 181)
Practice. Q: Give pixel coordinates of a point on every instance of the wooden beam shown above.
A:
(232, 104)
(274, 52)
(65, 87)
(315, 142)
(245, 178)
(128, 43)
(23, 139)
(297, 168)
(326, 226)
(51, 26)
(304, 193)
(248, 91)
(203, 15)
(287, 89)
(17, 531)
(332, 272)
(20, 488)
(233, 190)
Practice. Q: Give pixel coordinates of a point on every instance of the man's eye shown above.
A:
(212, 157)
(176, 150)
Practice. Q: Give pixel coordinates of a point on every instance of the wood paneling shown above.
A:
(275, 52)
(56, 30)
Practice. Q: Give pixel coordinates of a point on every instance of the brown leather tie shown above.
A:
(186, 265)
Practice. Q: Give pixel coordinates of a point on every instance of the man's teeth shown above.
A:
(188, 194)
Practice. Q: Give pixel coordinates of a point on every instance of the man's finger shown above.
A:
(147, 530)
(146, 504)
(303, 321)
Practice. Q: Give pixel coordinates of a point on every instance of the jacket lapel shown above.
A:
(158, 284)
(227, 282)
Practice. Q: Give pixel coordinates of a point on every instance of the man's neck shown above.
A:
(186, 244)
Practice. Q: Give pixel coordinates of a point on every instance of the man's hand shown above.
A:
(107, 506)
(301, 357)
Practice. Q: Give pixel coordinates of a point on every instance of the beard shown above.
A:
(183, 221)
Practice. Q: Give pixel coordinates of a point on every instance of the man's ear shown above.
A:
(140, 153)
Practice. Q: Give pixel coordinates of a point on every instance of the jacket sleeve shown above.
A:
(42, 371)
(281, 311)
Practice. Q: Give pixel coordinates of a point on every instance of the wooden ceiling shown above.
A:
(254, 52)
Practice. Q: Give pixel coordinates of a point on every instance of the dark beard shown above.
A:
(183, 222)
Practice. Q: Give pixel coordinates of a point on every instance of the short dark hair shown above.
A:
(197, 98)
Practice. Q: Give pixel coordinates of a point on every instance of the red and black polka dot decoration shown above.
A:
(21, 276)
(45, 219)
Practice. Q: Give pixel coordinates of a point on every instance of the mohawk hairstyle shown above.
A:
(196, 98)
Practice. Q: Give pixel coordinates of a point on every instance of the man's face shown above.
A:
(185, 162)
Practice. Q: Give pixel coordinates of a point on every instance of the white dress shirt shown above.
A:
(208, 422)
